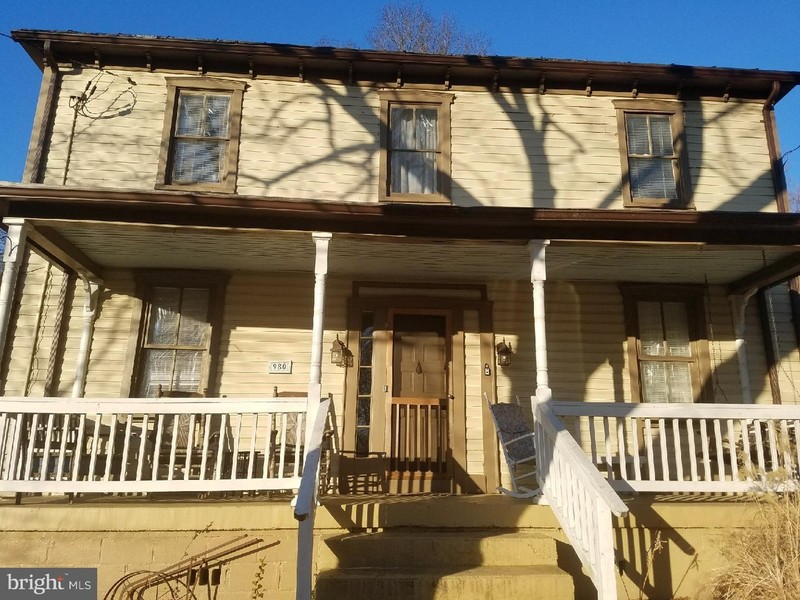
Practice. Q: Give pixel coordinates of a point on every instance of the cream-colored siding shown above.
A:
(32, 359)
(474, 400)
(321, 141)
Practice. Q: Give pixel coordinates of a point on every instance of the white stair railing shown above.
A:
(683, 448)
(581, 499)
(71, 445)
(306, 503)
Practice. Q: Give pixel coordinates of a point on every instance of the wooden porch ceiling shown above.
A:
(401, 258)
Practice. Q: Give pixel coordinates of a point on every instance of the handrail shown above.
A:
(306, 503)
(581, 499)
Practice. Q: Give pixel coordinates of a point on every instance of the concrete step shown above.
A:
(544, 582)
(423, 547)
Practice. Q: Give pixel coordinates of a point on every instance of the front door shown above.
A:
(420, 411)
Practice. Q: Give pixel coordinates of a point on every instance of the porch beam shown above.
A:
(13, 255)
(781, 270)
(437, 221)
(58, 248)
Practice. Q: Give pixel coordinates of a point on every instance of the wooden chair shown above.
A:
(517, 442)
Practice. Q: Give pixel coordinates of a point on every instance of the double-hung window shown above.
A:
(655, 169)
(667, 345)
(201, 139)
(179, 333)
(415, 146)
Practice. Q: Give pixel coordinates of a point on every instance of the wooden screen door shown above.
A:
(419, 454)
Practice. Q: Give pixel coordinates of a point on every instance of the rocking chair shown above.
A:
(516, 440)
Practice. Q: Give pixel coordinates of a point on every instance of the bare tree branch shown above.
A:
(407, 26)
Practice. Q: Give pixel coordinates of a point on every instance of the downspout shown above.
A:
(13, 255)
(773, 147)
(305, 532)
(739, 310)
(44, 117)
(91, 294)
(538, 277)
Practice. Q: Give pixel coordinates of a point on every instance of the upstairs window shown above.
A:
(655, 168)
(415, 147)
(667, 345)
(201, 145)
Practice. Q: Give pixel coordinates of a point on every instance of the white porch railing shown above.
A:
(581, 499)
(688, 447)
(70, 445)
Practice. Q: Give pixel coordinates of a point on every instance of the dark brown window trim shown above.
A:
(230, 170)
(694, 298)
(683, 184)
(440, 101)
(215, 281)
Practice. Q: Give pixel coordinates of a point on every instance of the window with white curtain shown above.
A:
(667, 346)
(202, 120)
(179, 331)
(415, 164)
(655, 169)
(174, 350)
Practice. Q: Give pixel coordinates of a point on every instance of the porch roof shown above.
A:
(398, 219)
(91, 230)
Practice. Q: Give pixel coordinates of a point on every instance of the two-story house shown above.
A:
(211, 233)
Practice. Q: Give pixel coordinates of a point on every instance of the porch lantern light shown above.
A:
(340, 354)
(504, 353)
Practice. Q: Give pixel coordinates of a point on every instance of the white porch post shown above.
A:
(538, 277)
(305, 528)
(91, 294)
(739, 309)
(321, 243)
(13, 254)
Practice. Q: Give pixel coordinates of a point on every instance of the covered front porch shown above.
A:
(413, 321)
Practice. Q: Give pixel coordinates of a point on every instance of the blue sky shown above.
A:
(733, 33)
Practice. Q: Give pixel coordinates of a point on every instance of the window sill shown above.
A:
(220, 188)
(659, 203)
(415, 199)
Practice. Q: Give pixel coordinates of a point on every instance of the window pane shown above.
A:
(427, 129)
(364, 381)
(194, 317)
(402, 124)
(156, 370)
(198, 161)
(367, 325)
(365, 355)
(163, 326)
(679, 380)
(677, 326)
(661, 135)
(654, 381)
(638, 139)
(363, 412)
(188, 367)
(190, 114)
(362, 442)
(651, 333)
(652, 178)
(216, 116)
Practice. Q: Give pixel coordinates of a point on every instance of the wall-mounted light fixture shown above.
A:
(340, 354)
(504, 353)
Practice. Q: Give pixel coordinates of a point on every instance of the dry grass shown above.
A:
(763, 560)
